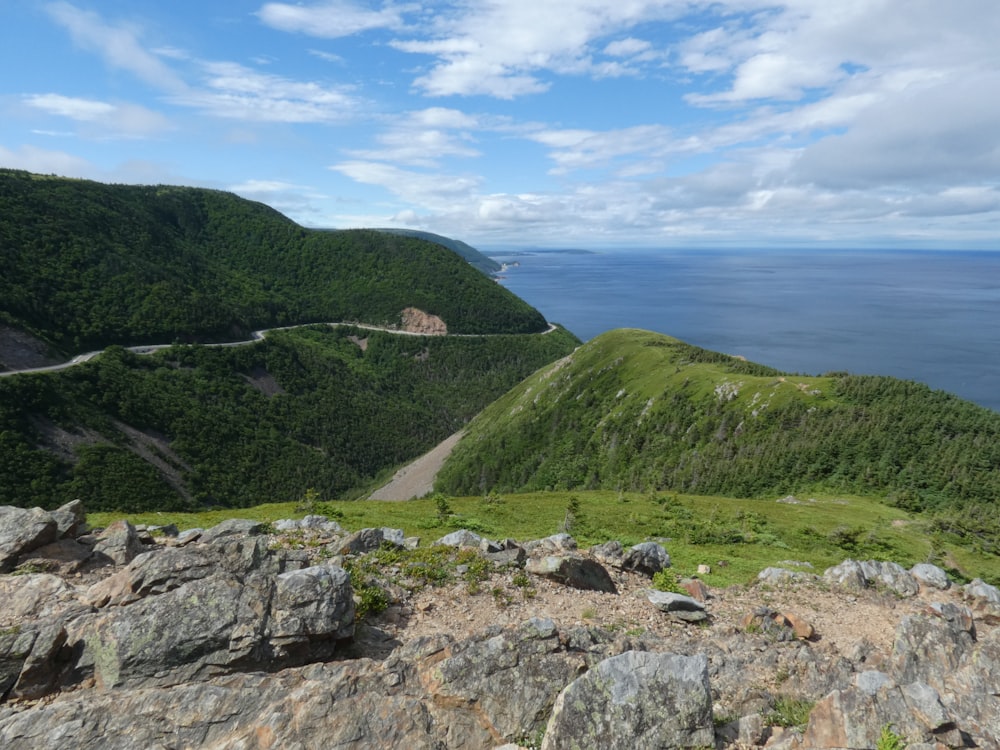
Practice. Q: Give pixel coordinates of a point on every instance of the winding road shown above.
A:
(256, 336)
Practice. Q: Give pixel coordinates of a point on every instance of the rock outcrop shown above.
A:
(245, 636)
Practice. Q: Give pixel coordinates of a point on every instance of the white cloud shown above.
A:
(332, 19)
(118, 45)
(435, 190)
(627, 47)
(501, 47)
(234, 91)
(105, 120)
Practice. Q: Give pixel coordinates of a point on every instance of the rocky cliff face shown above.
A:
(245, 636)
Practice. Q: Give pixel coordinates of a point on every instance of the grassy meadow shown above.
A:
(736, 537)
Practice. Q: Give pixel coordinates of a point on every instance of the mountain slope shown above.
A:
(640, 411)
(88, 264)
(475, 258)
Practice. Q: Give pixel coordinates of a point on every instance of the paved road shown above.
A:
(255, 337)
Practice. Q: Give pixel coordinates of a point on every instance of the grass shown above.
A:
(694, 529)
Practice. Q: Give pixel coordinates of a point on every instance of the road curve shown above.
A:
(255, 337)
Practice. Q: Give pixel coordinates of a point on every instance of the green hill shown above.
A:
(193, 426)
(475, 258)
(87, 264)
(633, 410)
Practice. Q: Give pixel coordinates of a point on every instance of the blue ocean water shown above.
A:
(933, 317)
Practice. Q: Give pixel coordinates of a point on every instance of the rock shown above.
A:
(311, 606)
(232, 527)
(321, 525)
(774, 625)
(395, 537)
(980, 590)
(68, 555)
(677, 605)
(188, 536)
(512, 678)
(930, 575)
(984, 598)
(361, 542)
(608, 553)
(71, 519)
(695, 589)
(854, 718)
(928, 649)
(704, 570)
(576, 572)
(857, 576)
(849, 575)
(506, 557)
(635, 701)
(118, 543)
(39, 596)
(647, 558)
(150, 574)
(43, 665)
(460, 538)
(21, 531)
(555, 544)
(783, 576)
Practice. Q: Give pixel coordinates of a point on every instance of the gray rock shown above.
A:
(361, 542)
(119, 543)
(150, 574)
(21, 531)
(608, 553)
(857, 576)
(647, 558)
(871, 681)
(928, 649)
(783, 576)
(981, 591)
(576, 572)
(512, 677)
(311, 606)
(555, 544)
(848, 574)
(460, 538)
(395, 537)
(71, 519)
(188, 536)
(635, 701)
(677, 605)
(890, 575)
(232, 527)
(930, 575)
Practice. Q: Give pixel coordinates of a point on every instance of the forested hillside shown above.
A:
(87, 264)
(318, 407)
(475, 258)
(635, 410)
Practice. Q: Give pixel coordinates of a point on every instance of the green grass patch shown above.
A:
(736, 537)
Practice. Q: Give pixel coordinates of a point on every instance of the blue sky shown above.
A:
(583, 123)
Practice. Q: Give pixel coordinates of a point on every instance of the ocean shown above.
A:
(932, 317)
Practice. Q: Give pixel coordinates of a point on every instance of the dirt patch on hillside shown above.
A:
(22, 351)
(416, 479)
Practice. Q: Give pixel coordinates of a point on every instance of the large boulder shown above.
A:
(856, 576)
(635, 701)
(312, 606)
(647, 558)
(118, 543)
(21, 531)
(511, 678)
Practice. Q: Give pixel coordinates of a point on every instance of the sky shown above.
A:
(532, 123)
